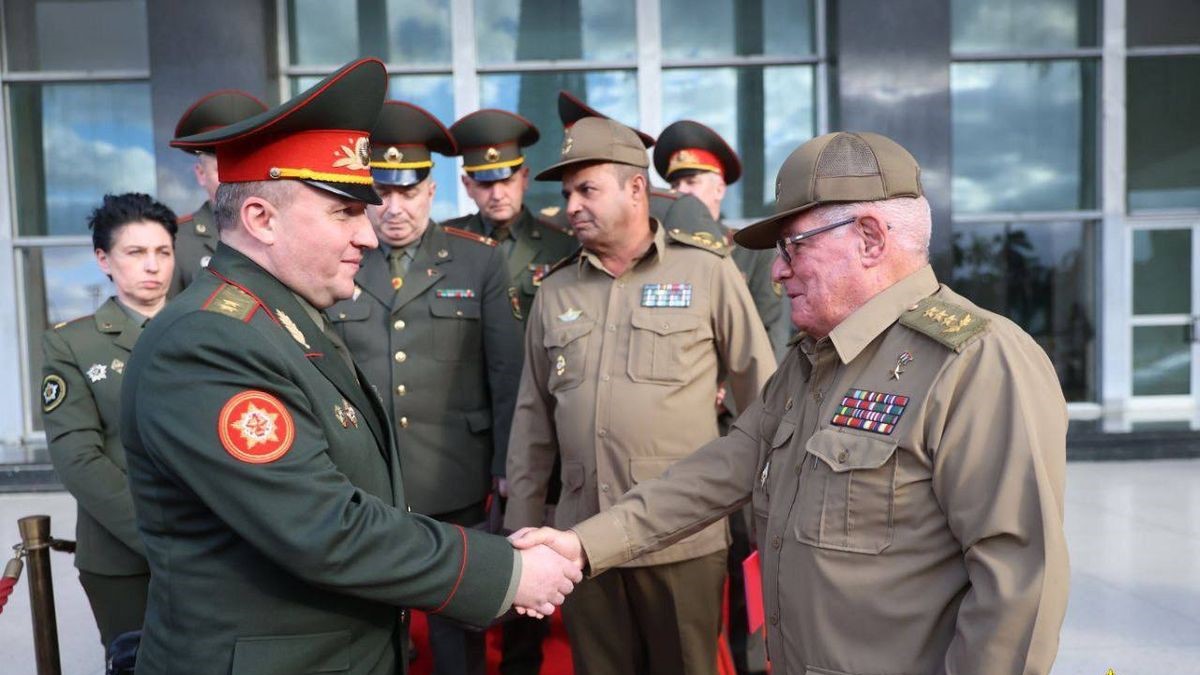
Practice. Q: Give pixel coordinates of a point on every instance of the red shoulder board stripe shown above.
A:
(255, 427)
(465, 234)
(185, 219)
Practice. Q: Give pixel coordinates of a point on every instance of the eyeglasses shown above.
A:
(784, 245)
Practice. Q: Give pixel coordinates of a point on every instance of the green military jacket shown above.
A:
(270, 498)
(195, 243)
(537, 244)
(683, 212)
(81, 396)
(446, 351)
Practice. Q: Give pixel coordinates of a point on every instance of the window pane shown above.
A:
(76, 35)
(1024, 135)
(397, 31)
(1162, 272)
(763, 113)
(434, 93)
(1162, 361)
(519, 30)
(73, 143)
(1163, 141)
(535, 97)
(1016, 25)
(1040, 275)
(716, 28)
(61, 284)
(1162, 22)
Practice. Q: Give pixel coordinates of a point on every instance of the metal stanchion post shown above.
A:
(35, 537)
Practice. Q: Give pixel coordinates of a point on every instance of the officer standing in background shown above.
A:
(85, 364)
(625, 347)
(264, 471)
(433, 325)
(197, 238)
(906, 463)
(675, 210)
(696, 161)
(496, 179)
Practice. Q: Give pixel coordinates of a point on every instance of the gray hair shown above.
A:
(909, 219)
(230, 197)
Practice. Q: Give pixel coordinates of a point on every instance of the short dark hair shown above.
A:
(118, 211)
(230, 197)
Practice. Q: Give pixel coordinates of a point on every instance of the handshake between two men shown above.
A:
(551, 564)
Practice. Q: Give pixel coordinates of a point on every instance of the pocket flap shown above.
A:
(783, 434)
(454, 309)
(349, 310)
(665, 323)
(313, 653)
(563, 334)
(572, 475)
(642, 469)
(844, 451)
(479, 420)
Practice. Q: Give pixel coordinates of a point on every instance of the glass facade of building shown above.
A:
(1074, 181)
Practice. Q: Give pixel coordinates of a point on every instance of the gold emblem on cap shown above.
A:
(491, 154)
(274, 172)
(686, 156)
(355, 158)
(393, 154)
(567, 143)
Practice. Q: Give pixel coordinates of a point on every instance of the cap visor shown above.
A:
(399, 177)
(764, 233)
(493, 175)
(362, 193)
(555, 171)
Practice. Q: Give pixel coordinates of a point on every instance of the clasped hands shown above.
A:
(551, 564)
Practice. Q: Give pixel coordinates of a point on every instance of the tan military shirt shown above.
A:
(921, 534)
(621, 378)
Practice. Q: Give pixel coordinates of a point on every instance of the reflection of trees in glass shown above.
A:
(1000, 269)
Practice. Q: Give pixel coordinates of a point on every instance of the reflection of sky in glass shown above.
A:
(535, 97)
(710, 96)
(1004, 25)
(74, 284)
(434, 93)
(96, 139)
(605, 30)
(418, 31)
(1019, 135)
(708, 29)
(323, 32)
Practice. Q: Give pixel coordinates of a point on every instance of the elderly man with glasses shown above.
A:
(905, 464)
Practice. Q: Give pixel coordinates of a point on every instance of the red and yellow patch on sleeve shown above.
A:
(255, 427)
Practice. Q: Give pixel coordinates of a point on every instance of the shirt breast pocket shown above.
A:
(662, 346)
(847, 493)
(456, 331)
(567, 348)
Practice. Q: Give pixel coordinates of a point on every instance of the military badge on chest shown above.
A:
(346, 415)
(97, 372)
(870, 411)
(666, 295)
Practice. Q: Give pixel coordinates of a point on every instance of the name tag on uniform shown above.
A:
(870, 411)
(455, 293)
(667, 295)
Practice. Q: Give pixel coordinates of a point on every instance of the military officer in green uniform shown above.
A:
(197, 238)
(496, 179)
(675, 210)
(263, 467)
(696, 161)
(85, 364)
(433, 324)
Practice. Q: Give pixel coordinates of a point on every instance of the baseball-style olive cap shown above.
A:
(598, 139)
(835, 168)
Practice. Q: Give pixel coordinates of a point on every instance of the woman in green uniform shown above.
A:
(134, 241)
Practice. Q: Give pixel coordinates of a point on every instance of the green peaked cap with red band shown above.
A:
(319, 137)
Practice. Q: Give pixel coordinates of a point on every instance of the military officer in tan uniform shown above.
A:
(197, 238)
(624, 349)
(496, 178)
(906, 464)
(675, 210)
(432, 324)
(81, 404)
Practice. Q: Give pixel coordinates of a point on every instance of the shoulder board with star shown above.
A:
(950, 325)
(64, 324)
(233, 302)
(471, 236)
(185, 219)
(700, 240)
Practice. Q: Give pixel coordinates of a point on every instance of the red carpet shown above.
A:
(555, 650)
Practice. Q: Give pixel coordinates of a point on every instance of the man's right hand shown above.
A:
(546, 580)
(565, 542)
